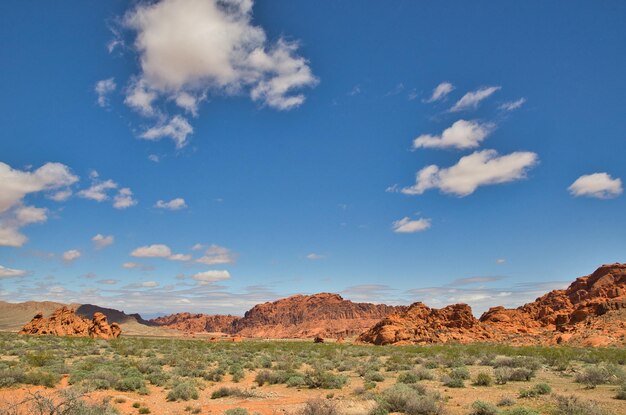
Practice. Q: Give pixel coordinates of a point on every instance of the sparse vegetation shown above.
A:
(183, 370)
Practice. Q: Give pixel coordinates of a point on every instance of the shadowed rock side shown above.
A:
(197, 323)
(65, 322)
(307, 316)
(590, 312)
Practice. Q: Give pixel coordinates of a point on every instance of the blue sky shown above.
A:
(232, 153)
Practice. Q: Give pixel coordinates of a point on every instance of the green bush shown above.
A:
(130, 384)
(452, 382)
(373, 376)
(621, 393)
(460, 373)
(520, 410)
(483, 379)
(571, 405)
(183, 391)
(236, 411)
(321, 379)
(483, 408)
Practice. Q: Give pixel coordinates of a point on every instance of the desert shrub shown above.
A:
(130, 384)
(236, 411)
(502, 375)
(452, 382)
(407, 377)
(214, 375)
(144, 410)
(506, 401)
(621, 393)
(571, 405)
(136, 405)
(538, 389)
(521, 374)
(11, 375)
(296, 381)
(319, 407)
(460, 373)
(183, 391)
(273, 377)
(483, 379)
(225, 391)
(409, 400)
(483, 408)
(520, 410)
(42, 378)
(67, 402)
(324, 380)
(593, 376)
(373, 376)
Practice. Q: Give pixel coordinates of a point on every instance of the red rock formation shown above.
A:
(590, 312)
(197, 323)
(65, 322)
(421, 324)
(306, 316)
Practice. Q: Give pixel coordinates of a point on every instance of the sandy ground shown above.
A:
(278, 399)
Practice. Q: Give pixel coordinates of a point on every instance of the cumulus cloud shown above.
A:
(480, 168)
(512, 105)
(71, 255)
(152, 251)
(441, 91)
(216, 255)
(100, 241)
(103, 88)
(11, 273)
(598, 185)
(407, 225)
(177, 128)
(313, 256)
(462, 134)
(15, 185)
(108, 282)
(472, 99)
(124, 199)
(208, 277)
(174, 204)
(98, 190)
(187, 48)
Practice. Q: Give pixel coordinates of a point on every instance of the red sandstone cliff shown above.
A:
(65, 322)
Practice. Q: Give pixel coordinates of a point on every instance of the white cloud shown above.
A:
(100, 241)
(462, 134)
(472, 99)
(406, 225)
(174, 204)
(216, 254)
(187, 48)
(441, 91)
(500, 261)
(10, 273)
(61, 195)
(180, 257)
(598, 185)
(71, 255)
(208, 277)
(152, 251)
(198, 247)
(98, 190)
(135, 265)
(149, 284)
(480, 168)
(124, 199)
(313, 256)
(154, 158)
(103, 88)
(512, 105)
(178, 128)
(15, 185)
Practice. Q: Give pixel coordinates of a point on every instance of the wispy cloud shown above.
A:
(100, 241)
(174, 204)
(440, 92)
(471, 100)
(103, 88)
(408, 225)
(513, 105)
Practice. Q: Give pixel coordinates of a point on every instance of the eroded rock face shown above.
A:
(197, 323)
(307, 316)
(421, 324)
(590, 312)
(65, 322)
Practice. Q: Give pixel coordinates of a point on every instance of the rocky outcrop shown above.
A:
(65, 322)
(590, 312)
(197, 323)
(421, 325)
(307, 316)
